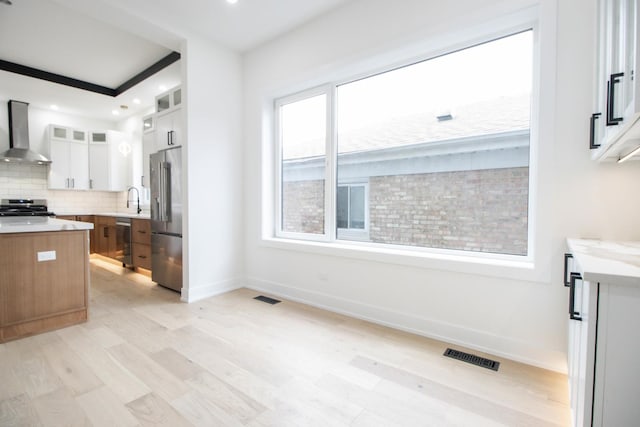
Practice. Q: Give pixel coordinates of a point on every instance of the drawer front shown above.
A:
(105, 220)
(142, 255)
(141, 231)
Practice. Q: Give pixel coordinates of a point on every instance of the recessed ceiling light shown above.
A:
(232, 1)
(136, 101)
(162, 88)
(54, 107)
(115, 112)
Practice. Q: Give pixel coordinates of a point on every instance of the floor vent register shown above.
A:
(473, 359)
(267, 299)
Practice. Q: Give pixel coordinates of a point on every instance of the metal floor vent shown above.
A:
(267, 299)
(473, 359)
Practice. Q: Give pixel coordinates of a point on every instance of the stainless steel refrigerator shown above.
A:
(166, 218)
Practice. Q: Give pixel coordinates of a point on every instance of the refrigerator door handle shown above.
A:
(161, 192)
(166, 166)
(156, 214)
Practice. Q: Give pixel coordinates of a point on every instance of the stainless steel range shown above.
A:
(24, 207)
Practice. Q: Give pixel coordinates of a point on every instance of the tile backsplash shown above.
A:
(30, 181)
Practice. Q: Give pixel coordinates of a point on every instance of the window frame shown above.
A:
(358, 234)
(327, 235)
(521, 22)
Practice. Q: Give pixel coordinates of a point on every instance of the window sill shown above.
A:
(491, 265)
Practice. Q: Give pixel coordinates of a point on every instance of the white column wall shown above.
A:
(212, 162)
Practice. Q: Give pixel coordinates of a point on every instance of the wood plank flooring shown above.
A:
(146, 359)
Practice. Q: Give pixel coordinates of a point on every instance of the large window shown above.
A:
(434, 154)
(303, 127)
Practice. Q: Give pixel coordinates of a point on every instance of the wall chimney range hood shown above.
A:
(19, 150)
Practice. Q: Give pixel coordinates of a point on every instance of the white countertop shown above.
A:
(125, 215)
(35, 224)
(143, 215)
(606, 261)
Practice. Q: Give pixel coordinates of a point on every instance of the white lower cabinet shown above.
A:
(604, 341)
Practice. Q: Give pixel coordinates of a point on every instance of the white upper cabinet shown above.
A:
(148, 147)
(615, 124)
(161, 130)
(168, 132)
(98, 161)
(110, 160)
(68, 151)
(169, 100)
(81, 160)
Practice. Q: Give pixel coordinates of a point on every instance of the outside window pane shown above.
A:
(303, 138)
(444, 147)
(343, 207)
(356, 217)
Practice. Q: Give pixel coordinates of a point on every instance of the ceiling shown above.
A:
(108, 42)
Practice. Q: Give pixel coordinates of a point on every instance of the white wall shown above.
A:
(212, 157)
(515, 313)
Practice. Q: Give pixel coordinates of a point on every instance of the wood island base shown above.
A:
(44, 281)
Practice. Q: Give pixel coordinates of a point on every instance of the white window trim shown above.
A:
(327, 90)
(521, 268)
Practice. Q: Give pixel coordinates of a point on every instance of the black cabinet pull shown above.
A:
(611, 99)
(565, 278)
(169, 138)
(592, 131)
(573, 315)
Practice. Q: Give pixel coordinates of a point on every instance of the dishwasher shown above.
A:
(123, 240)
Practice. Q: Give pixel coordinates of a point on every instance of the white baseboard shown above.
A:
(198, 293)
(507, 348)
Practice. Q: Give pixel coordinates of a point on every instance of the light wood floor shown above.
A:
(144, 358)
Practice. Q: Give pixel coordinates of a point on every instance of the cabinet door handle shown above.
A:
(106, 232)
(573, 315)
(592, 132)
(565, 278)
(169, 138)
(67, 183)
(142, 256)
(611, 99)
(141, 231)
(90, 183)
(73, 183)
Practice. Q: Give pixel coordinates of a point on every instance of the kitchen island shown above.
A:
(44, 275)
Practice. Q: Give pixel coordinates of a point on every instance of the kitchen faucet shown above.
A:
(138, 194)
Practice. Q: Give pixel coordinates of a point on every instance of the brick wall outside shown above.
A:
(484, 210)
(303, 206)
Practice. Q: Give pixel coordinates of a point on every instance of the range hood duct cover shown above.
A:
(19, 150)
